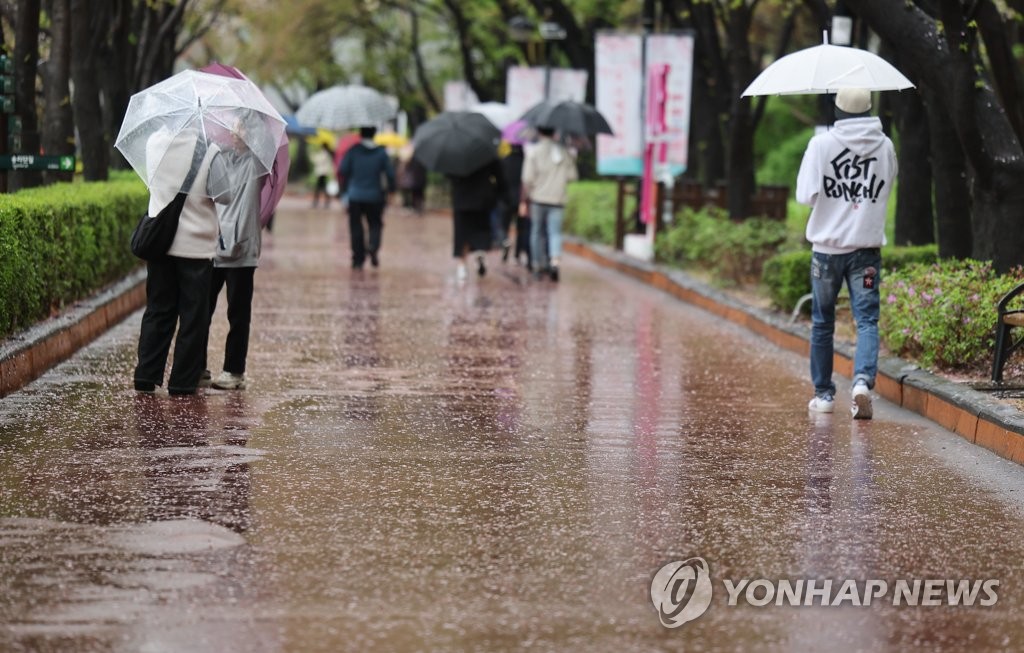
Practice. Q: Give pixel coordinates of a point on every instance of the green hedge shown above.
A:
(787, 275)
(63, 242)
(590, 211)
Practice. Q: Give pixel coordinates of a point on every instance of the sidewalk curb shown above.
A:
(28, 354)
(967, 412)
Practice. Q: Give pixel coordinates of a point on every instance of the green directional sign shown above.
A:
(36, 162)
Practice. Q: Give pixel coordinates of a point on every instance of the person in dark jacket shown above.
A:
(512, 167)
(362, 170)
(473, 198)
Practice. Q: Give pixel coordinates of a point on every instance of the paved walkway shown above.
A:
(502, 464)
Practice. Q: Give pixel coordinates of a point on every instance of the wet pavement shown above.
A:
(503, 464)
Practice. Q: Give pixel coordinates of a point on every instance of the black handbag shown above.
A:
(153, 236)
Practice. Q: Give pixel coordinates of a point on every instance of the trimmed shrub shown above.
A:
(944, 314)
(590, 211)
(787, 275)
(734, 251)
(62, 242)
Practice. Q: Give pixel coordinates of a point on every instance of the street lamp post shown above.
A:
(522, 30)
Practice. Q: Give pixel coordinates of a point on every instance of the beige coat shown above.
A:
(547, 171)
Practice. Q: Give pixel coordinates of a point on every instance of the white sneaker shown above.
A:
(229, 381)
(822, 404)
(460, 273)
(861, 406)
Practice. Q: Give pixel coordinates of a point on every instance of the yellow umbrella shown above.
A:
(323, 137)
(390, 139)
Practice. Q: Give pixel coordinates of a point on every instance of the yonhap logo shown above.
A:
(681, 591)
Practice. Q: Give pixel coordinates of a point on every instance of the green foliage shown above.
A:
(787, 275)
(733, 251)
(782, 162)
(943, 314)
(60, 243)
(590, 211)
(786, 117)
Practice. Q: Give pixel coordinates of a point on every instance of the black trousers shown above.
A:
(361, 244)
(239, 282)
(177, 294)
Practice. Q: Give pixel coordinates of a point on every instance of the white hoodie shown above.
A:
(846, 176)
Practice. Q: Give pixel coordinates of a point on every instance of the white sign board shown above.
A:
(458, 96)
(524, 87)
(620, 80)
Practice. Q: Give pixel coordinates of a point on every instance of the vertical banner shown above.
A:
(676, 51)
(619, 62)
(524, 87)
(619, 85)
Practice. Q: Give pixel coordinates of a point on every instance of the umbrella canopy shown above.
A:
(213, 110)
(323, 138)
(515, 132)
(826, 69)
(390, 139)
(293, 127)
(345, 107)
(275, 182)
(568, 117)
(498, 113)
(456, 142)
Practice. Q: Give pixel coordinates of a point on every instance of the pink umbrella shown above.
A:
(275, 182)
(514, 132)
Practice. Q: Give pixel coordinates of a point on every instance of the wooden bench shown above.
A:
(1007, 340)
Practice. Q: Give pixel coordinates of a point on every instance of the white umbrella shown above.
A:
(345, 107)
(500, 114)
(166, 124)
(826, 69)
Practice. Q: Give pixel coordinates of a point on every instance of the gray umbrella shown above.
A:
(345, 107)
(568, 117)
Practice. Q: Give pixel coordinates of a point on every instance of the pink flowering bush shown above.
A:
(943, 315)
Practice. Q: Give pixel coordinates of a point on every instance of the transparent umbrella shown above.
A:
(205, 111)
(346, 107)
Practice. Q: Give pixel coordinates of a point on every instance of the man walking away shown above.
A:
(846, 176)
(362, 170)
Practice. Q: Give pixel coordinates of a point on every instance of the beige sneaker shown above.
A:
(229, 381)
(861, 401)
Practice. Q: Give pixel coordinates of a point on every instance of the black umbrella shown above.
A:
(568, 117)
(456, 142)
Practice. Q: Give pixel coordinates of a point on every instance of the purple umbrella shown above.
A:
(275, 182)
(514, 132)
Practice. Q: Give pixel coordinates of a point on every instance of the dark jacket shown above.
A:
(480, 190)
(362, 170)
(512, 166)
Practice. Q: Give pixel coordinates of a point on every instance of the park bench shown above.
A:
(1007, 340)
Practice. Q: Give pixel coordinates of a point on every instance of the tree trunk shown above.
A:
(741, 124)
(26, 57)
(85, 102)
(115, 63)
(942, 61)
(952, 194)
(58, 123)
(915, 224)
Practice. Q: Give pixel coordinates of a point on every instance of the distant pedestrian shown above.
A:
(511, 221)
(178, 284)
(474, 196)
(412, 181)
(234, 265)
(547, 171)
(323, 170)
(367, 179)
(846, 176)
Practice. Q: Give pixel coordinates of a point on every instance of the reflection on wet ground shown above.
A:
(499, 465)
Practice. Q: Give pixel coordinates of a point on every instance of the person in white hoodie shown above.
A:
(178, 284)
(846, 176)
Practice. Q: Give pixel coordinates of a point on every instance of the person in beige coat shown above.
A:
(547, 172)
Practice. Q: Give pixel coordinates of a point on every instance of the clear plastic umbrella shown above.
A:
(203, 111)
(346, 107)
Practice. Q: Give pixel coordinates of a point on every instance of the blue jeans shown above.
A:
(546, 219)
(828, 272)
